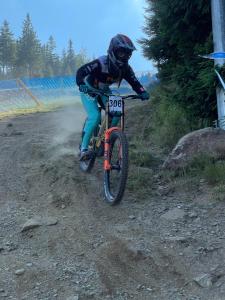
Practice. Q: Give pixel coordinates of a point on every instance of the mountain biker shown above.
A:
(100, 74)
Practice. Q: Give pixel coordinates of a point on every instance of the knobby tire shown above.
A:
(114, 190)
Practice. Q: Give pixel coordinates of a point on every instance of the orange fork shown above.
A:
(108, 132)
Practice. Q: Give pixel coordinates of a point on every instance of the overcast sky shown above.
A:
(89, 23)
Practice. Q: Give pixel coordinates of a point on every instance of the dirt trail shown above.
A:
(81, 248)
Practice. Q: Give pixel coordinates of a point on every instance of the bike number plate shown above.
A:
(115, 104)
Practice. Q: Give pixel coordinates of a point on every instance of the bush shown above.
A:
(170, 120)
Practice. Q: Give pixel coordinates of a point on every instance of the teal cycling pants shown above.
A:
(93, 118)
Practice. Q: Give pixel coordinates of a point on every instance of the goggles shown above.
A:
(123, 54)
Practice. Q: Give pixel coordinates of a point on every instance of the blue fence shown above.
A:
(17, 95)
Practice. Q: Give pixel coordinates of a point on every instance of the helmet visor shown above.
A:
(123, 54)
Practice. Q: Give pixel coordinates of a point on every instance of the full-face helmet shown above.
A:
(120, 51)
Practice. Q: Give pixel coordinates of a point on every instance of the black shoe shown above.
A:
(86, 154)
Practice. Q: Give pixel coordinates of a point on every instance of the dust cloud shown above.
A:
(67, 125)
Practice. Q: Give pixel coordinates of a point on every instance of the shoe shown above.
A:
(86, 154)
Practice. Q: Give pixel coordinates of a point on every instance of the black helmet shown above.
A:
(120, 51)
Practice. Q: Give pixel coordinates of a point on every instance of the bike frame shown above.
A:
(104, 130)
(115, 148)
(107, 133)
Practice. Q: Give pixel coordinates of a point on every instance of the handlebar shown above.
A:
(103, 93)
(132, 96)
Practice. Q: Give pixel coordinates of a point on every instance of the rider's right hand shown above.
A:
(83, 88)
(144, 96)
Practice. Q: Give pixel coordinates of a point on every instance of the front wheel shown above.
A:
(115, 179)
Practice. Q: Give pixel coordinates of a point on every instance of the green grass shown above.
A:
(214, 173)
(143, 158)
(140, 182)
(218, 193)
(203, 168)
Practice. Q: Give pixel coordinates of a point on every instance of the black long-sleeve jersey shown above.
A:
(97, 74)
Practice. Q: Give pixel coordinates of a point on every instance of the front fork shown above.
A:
(107, 165)
(108, 132)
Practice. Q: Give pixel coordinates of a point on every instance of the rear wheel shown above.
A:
(115, 179)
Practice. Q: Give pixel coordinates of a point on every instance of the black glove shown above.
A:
(144, 96)
(83, 88)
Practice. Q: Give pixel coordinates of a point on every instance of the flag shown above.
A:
(214, 55)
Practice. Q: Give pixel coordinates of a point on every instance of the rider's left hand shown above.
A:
(144, 96)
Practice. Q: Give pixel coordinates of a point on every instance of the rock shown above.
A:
(10, 246)
(29, 264)
(48, 221)
(204, 280)
(140, 287)
(30, 224)
(209, 141)
(193, 215)
(173, 214)
(38, 221)
(217, 272)
(19, 272)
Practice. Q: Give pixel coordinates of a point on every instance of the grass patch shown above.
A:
(170, 123)
(168, 120)
(143, 158)
(203, 168)
(207, 168)
(218, 192)
(140, 181)
(214, 172)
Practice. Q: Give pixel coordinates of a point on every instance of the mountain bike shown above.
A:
(111, 142)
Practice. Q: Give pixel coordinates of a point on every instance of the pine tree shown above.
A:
(64, 65)
(7, 49)
(81, 58)
(71, 58)
(178, 31)
(29, 50)
(50, 58)
(27, 57)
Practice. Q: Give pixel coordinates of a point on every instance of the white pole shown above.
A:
(218, 26)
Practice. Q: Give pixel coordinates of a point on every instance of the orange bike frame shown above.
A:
(108, 132)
